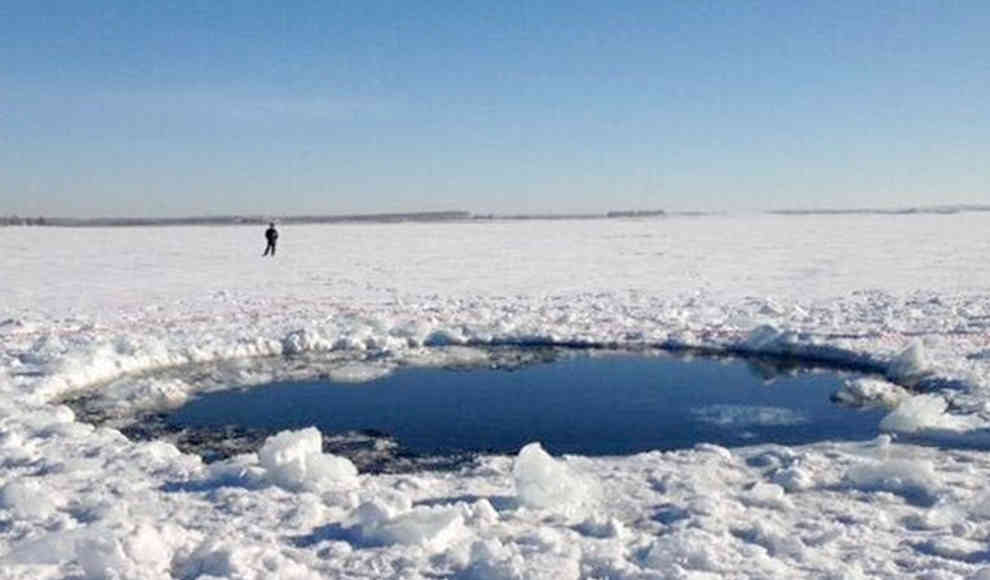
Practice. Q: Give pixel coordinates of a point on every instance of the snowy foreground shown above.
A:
(82, 308)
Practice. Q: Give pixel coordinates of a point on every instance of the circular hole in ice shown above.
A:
(387, 416)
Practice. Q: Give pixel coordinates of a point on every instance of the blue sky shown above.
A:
(143, 109)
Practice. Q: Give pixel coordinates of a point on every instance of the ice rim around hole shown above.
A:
(373, 451)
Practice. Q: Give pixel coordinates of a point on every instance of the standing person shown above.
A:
(271, 234)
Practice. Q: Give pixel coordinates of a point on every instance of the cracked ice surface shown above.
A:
(90, 308)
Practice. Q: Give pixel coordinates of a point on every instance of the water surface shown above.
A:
(600, 405)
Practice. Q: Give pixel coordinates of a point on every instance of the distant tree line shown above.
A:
(634, 213)
(235, 220)
(13, 220)
(573, 216)
(933, 209)
(429, 216)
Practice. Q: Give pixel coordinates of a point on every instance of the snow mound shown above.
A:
(543, 482)
(769, 495)
(29, 499)
(134, 555)
(915, 481)
(435, 528)
(691, 549)
(215, 558)
(136, 550)
(549, 559)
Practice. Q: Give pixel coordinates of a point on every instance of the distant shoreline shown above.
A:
(451, 216)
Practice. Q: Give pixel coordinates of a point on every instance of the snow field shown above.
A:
(103, 308)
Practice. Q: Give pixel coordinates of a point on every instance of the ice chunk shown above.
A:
(451, 356)
(444, 337)
(922, 412)
(543, 482)
(359, 373)
(910, 366)
(294, 460)
(794, 478)
(762, 337)
(599, 526)
(305, 340)
(915, 414)
(482, 513)
(866, 391)
(740, 416)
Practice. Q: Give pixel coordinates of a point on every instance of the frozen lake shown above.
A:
(599, 405)
(146, 319)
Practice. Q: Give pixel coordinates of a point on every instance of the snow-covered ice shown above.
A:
(153, 314)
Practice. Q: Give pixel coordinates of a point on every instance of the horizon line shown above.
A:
(456, 215)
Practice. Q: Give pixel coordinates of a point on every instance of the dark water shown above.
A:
(588, 405)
